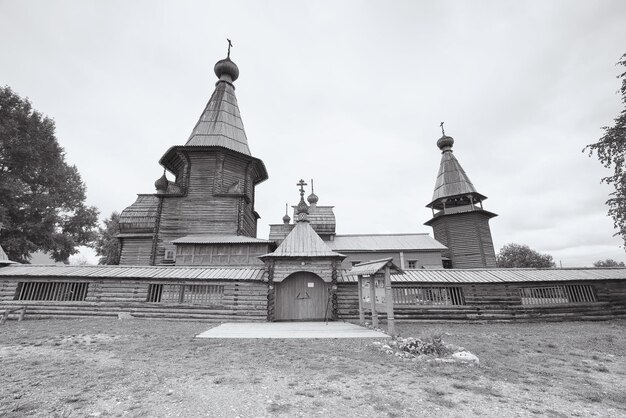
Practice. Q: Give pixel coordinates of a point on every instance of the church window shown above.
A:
(412, 264)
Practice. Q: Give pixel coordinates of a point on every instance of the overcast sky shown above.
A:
(348, 93)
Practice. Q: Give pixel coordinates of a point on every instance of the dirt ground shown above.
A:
(106, 367)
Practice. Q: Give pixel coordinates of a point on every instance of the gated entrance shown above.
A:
(301, 296)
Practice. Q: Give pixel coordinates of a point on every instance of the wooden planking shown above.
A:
(210, 205)
(219, 199)
(136, 251)
(322, 268)
(221, 254)
(468, 238)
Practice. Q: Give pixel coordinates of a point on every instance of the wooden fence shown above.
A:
(598, 300)
(172, 299)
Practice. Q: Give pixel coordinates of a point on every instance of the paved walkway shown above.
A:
(290, 330)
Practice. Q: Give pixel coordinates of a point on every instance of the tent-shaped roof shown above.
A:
(220, 123)
(452, 179)
(303, 241)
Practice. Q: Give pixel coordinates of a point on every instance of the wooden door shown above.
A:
(301, 296)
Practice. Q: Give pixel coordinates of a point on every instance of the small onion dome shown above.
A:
(227, 68)
(302, 207)
(445, 142)
(286, 219)
(161, 184)
(312, 199)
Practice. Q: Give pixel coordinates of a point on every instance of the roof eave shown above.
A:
(171, 154)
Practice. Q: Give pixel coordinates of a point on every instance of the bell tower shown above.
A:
(459, 221)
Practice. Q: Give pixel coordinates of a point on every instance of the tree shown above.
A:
(516, 255)
(609, 262)
(611, 151)
(107, 245)
(42, 197)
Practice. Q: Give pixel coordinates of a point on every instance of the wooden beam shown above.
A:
(361, 309)
(373, 301)
(391, 326)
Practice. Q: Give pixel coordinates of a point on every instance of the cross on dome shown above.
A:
(301, 183)
(230, 44)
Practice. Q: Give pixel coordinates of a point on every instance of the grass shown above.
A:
(156, 368)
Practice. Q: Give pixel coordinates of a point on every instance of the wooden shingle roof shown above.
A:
(220, 123)
(452, 180)
(303, 241)
(373, 267)
(141, 215)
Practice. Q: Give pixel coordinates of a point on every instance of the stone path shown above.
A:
(290, 330)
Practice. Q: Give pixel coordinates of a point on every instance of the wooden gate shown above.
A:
(301, 296)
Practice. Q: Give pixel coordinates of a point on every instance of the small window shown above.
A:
(189, 294)
(354, 263)
(551, 295)
(54, 291)
(412, 264)
(428, 295)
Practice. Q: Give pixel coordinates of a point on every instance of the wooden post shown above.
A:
(373, 301)
(391, 326)
(361, 308)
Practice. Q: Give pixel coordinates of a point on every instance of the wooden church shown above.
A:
(190, 251)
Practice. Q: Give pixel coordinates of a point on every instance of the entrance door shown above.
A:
(301, 296)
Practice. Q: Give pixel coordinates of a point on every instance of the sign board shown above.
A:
(379, 291)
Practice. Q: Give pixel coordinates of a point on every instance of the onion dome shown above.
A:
(161, 184)
(445, 143)
(302, 208)
(312, 199)
(286, 218)
(226, 70)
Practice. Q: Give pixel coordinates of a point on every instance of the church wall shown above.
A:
(215, 203)
(136, 251)
(422, 258)
(468, 238)
(238, 300)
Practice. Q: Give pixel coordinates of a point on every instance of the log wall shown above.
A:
(241, 300)
(499, 301)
